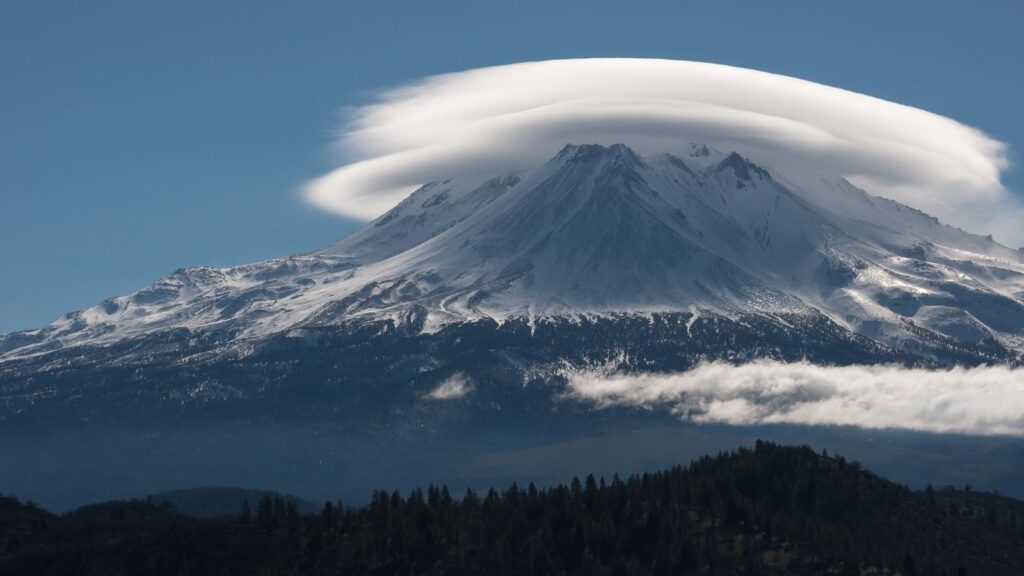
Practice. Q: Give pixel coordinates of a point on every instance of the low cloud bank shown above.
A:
(978, 401)
(514, 117)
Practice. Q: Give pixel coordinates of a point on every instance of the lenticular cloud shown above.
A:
(515, 117)
(987, 400)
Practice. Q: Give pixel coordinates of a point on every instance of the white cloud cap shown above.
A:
(987, 400)
(516, 116)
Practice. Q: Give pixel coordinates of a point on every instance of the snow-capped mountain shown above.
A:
(444, 334)
(597, 232)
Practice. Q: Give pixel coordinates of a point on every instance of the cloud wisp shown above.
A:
(455, 386)
(516, 116)
(978, 401)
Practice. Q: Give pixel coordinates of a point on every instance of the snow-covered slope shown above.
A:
(600, 230)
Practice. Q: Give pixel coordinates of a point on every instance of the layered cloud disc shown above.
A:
(515, 117)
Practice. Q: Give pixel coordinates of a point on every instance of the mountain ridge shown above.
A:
(601, 230)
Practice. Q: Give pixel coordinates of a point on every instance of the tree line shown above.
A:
(767, 510)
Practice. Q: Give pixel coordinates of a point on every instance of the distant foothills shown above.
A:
(768, 510)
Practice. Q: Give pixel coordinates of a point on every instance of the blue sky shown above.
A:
(137, 138)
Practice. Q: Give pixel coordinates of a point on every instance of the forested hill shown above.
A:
(770, 510)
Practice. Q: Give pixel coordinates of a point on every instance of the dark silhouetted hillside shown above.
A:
(770, 510)
(219, 501)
